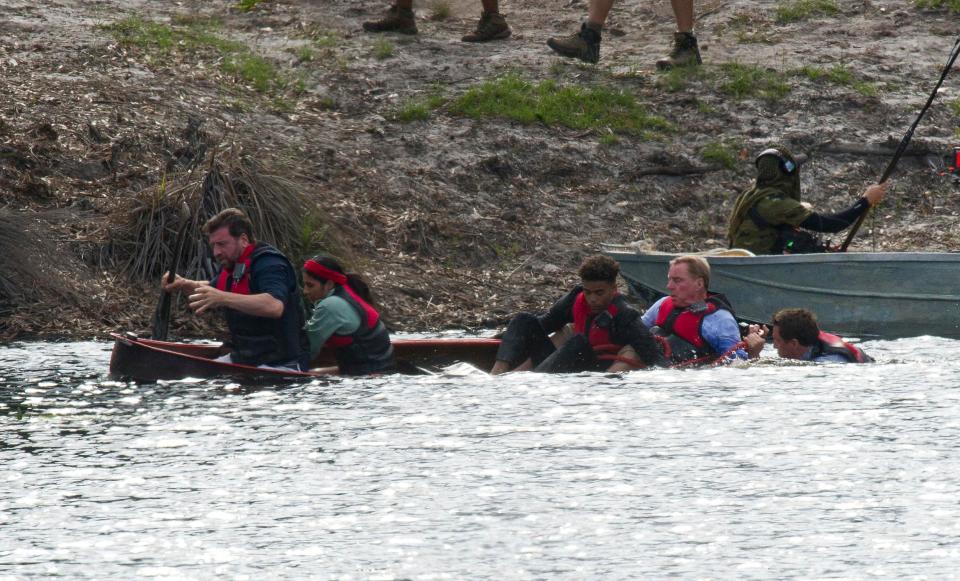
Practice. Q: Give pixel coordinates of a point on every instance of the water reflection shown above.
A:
(771, 471)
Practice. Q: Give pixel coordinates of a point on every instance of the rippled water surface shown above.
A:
(763, 472)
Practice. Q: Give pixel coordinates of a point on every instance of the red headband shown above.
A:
(321, 271)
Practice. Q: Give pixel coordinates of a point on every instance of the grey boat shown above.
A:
(867, 295)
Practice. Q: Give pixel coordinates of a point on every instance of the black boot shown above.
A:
(584, 45)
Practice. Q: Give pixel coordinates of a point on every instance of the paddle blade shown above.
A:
(160, 326)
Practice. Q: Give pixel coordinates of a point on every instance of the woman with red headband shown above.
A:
(344, 319)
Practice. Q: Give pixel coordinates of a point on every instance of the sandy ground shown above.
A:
(457, 222)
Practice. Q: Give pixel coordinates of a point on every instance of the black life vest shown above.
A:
(262, 340)
(596, 328)
(828, 344)
(683, 328)
(366, 350)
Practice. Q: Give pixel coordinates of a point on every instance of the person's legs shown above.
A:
(574, 356)
(685, 49)
(492, 24)
(523, 341)
(398, 18)
(585, 45)
(598, 11)
(683, 12)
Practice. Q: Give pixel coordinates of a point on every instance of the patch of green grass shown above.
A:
(254, 70)
(440, 10)
(248, 5)
(412, 111)
(419, 110)
(955, 107)
(325, 39)
(720, 153)
(198, 38)
(705, 108)
(676, 79)
(158, 39)
(382, 49)
(797, 10)
(741, 81)
(951, 5)
(304, 53)
(576, 107)
(609, 139)
(840, 75)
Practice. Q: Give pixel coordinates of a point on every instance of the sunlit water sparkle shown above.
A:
(764, 472)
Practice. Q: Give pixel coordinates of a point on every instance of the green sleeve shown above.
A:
(331, 315)
(779, 211)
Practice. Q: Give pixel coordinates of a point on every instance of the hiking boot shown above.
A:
(492, 26)
(584, 45)
(395, 19)
(685, 52)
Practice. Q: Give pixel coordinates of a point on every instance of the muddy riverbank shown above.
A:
(458, 219)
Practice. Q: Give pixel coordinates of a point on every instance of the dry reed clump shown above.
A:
(35, 272)
(144, 239)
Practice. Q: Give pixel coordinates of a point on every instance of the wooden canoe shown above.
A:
(869, 295)
(150, 360)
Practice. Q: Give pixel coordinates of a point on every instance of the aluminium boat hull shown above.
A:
(866, 295)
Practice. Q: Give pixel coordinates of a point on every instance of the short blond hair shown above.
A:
(697, 266)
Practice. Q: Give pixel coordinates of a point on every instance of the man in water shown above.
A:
(769, 218)
(797, 335)
(585, 44)
(592, 327)
(257, 290)
(697, 324)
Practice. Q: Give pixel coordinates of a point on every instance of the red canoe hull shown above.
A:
(149, 360)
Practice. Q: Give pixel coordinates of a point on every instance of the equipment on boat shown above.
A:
(854, 294)
(905, 141)
(149, 360)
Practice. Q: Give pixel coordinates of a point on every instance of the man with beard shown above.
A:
(257, 290)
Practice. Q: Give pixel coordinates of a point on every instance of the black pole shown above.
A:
(161, 316)
(902, 147)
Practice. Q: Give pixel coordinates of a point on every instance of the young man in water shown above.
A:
(797, 335)
(592, 327)
(257, 290)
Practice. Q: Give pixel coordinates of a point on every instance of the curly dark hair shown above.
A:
(799, 324)
(599, 267)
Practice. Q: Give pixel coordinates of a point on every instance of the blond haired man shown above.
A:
(697, 324)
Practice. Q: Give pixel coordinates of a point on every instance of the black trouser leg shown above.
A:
(573, 356)
(524, 339)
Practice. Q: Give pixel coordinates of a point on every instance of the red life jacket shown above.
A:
(683, 328)
(240, 283)
(685, 324)
(366, 350)
(599, 331)
(834, 345)
(369, 317)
